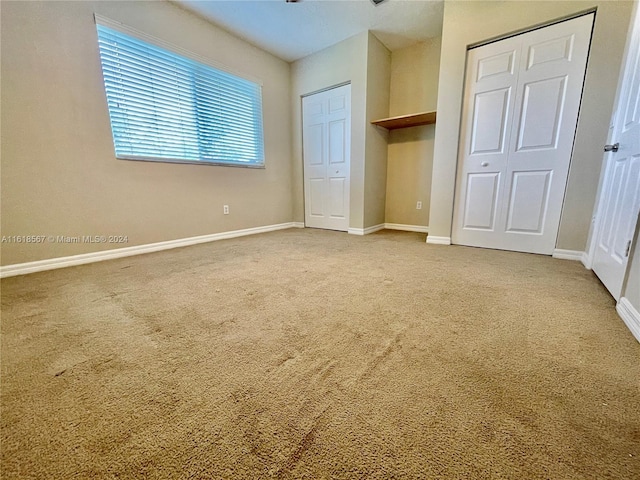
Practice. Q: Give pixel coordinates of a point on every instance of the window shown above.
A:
(167, 107)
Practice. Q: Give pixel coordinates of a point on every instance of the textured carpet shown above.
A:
(315, 354)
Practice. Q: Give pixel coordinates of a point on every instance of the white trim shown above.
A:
(348, 82)
(373, 229)
(630, 316)
(406, 228)
(587, 259)
(568, 254)
(61, 262)
(438, 240)
(297, 224)
(366, 231)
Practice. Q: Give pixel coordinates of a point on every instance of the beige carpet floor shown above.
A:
(319, 355)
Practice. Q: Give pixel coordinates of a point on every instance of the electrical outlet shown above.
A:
(419, 206)
(225, 209)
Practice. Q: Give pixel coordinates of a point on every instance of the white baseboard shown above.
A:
(406, 228)
(567, 254)
(586, 261)
(630, 316)
(438, 240)
(366, 231)
(61, 262)
(297, 224)
(576, 255)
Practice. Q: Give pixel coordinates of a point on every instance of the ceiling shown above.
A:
(294, 30)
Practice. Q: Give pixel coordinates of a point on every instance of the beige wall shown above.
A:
(471, 22)
(341, 63)
(375, 176)
(414, 88)
(632, 287)
(59, 173)
(365, 62)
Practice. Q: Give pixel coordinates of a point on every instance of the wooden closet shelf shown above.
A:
(404, 121)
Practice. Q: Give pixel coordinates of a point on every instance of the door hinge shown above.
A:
(626, 252)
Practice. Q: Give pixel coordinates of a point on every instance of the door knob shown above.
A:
(484, 164)
(611, 148)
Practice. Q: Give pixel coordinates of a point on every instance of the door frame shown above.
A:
(308, 94)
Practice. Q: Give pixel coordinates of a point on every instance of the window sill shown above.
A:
(192, 162)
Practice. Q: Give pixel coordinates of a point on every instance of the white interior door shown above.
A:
(326, 132)
(522, 97)
(619, 201)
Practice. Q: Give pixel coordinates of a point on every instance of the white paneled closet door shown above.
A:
(326, 140)
(522, 97)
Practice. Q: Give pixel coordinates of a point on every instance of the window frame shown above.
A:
(181, 52)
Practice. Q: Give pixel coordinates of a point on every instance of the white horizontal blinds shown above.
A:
(168, 107)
